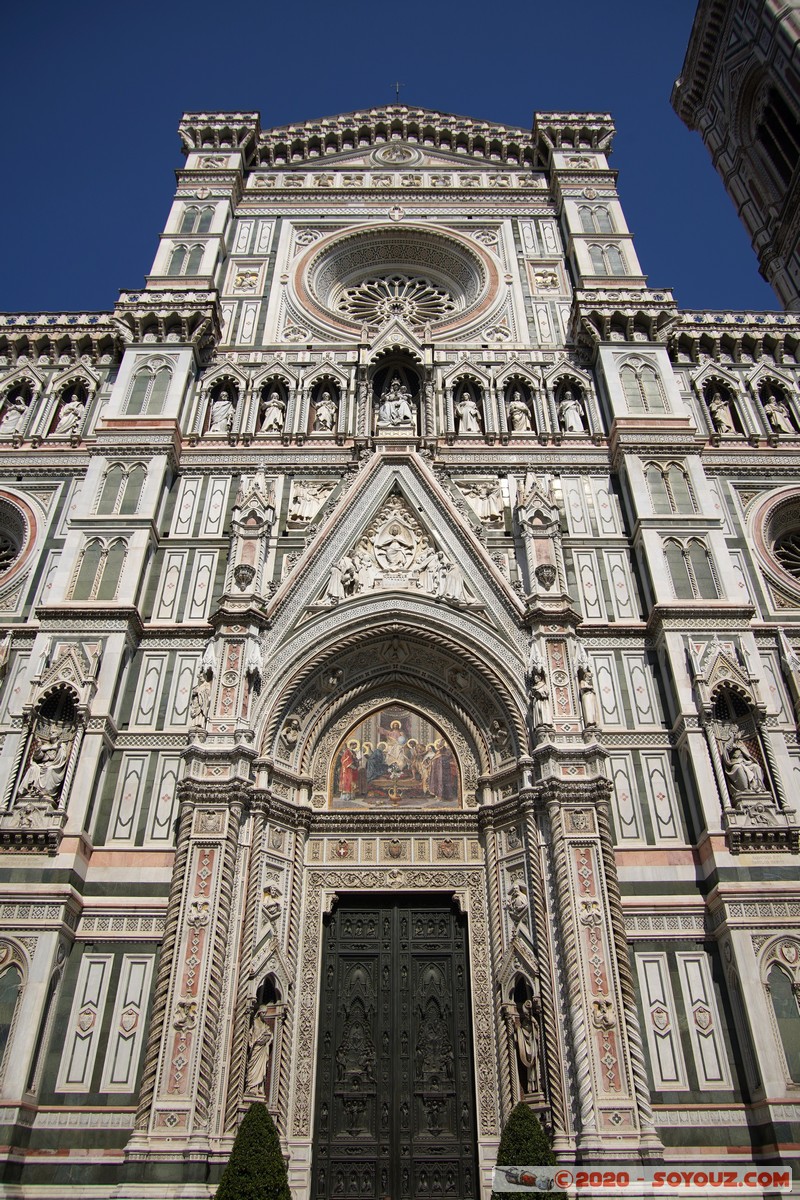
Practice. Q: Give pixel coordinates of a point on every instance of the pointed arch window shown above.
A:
(607, 260)
(148, 391)
(100, 570)
(595, 219)
(185, 260)
(10, 990)
(121, 490)
(196, 220)
(669, 489)
(642, 388)
(778, 131)
(691, 569)
(786, 1007)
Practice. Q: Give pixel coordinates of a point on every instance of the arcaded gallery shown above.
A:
(400, 612)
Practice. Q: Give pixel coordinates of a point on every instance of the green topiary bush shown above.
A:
(255, 1170)
(524, 1143)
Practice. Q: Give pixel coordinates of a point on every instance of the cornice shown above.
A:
(45, 339)
(170, 318)
(698, 73)
(572, 131)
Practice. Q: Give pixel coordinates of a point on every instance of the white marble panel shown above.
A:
(661, 795)
(625, 801)
(214, 511)
(623, 596)
(703, 1020)
(589, 585)
(128, 797)
(83, 1032)
(127, 1027)
(661, 1023)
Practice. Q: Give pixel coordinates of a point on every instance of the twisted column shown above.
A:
(240, 1014)
(572, 973)
(165, 964)
(293, 946)
(552, 1072)
(217, 966)
(650, 1138)
(496, 943)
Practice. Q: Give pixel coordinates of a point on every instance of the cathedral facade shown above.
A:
(400, 682)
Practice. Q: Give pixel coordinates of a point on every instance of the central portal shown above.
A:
(395, 1100)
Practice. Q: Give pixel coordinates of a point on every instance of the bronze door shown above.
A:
(395, 1101)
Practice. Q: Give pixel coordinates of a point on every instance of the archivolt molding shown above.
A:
(484, 716)
(321, 888)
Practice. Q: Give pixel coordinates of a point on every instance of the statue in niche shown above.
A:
(47, 765)
(743, 772)
(259, 1045)
(200, 701)
(570, 413)
(71, 414)
(586, 690)
(528, 1050)
(468, 414)
(14, 414)
(519, 414)
(5, 650)
(538, 688)
(325, 413)
(720, 408)
(222, 413)
(778, 414)
(486, 500)
(273, 413)
(305, 500)
(396, 409)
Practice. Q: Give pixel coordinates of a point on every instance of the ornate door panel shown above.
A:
(395, 1104)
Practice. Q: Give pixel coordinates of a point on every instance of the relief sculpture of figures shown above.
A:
(13, 414)
(519, 414)
(71, 415)
(721, 415)
(325, 413)
(259, 1047)
(486, 500)
(778, 414)
(305, 500)
(570, 413)
(222, 412)
(516, 904)
(273, 413)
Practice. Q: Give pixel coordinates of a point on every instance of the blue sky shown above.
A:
(93, 93)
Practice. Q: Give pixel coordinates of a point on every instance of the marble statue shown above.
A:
(222, 412)
(778, 414)
(588, 696)
(721, 415)
(527, 1034)
(468, 414)
(259, 1045)
(47, 765)
(743, 773)
(570, 413)
(273, 413)
(71, 415)
(325, 413)
(13, 414)
(519, 414)
(200, 701)
(539, 690)
(395, 409)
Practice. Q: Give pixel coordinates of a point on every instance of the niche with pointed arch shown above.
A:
(395, 758)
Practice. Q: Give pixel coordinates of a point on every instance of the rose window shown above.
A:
(12, 535)
(787, 552)
(414, 300)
